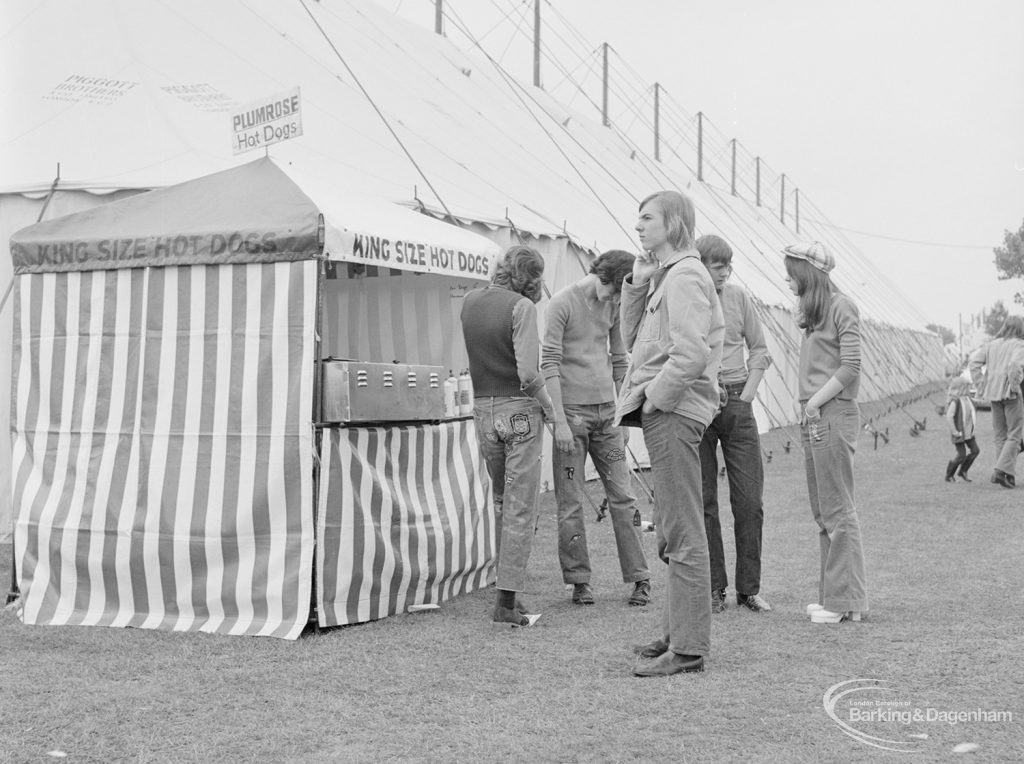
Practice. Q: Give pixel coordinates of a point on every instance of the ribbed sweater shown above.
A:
(583, 347)
(832, 349)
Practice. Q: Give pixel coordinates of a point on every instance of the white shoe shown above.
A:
(830, 616)
(813, 607)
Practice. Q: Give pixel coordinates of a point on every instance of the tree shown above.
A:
(1010, 259)
(947, 335)
(995, 317)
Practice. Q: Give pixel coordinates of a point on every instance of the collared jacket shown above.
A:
(997, 368)
(674, 329)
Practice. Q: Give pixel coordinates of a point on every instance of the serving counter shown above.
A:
(403, 518)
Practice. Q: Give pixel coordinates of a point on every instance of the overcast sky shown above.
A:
(901, 120)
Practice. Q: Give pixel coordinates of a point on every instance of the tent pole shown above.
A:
(536, 43)
(7, 294)
(49, 195)
(14, 592)
(604, 85)
(317, 429)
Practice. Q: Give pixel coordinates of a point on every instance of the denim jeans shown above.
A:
(736, 429)
(508, 432)
(593, 433)
(673, 444)
(828, 458)
(1007, 427)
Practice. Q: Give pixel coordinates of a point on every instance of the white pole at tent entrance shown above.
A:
(14, 591)
(318, 430)
(960, 325)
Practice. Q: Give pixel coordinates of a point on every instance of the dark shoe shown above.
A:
(668, 664)
(1002, 478)
(949, 479)
(641, 593)
(652, 649)
(963, 476)
(511, 617)
(582, 594)
(754, 602)
(718, 600)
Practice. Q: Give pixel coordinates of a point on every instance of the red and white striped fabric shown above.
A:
(162, 447)
(412, 317)
(404, 519)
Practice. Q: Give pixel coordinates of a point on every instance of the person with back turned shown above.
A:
(510, 406)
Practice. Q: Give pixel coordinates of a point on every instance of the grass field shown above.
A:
(944, 635)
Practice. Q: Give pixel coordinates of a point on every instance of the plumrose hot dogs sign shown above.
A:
(270, 120)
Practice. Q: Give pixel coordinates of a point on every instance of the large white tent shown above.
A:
(133, 95)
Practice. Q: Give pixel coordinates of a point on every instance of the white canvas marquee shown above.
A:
(139, 95)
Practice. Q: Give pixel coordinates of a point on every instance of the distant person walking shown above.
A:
(960, 416)
(583, 361)
(828, 382)
(744, 360)
(511, 404)
(997, 369)
(672, 324)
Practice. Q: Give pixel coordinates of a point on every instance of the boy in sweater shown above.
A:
(735, 428)
(583, 361)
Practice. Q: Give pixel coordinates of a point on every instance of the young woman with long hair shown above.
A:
(829, 379)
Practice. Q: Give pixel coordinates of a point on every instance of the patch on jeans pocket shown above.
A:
(615, 455)
(520, 424)
(820, 433)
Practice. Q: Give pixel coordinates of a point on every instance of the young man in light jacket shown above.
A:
(671, 321)
(997, 369)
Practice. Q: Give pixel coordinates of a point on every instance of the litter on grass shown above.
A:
(422, 608)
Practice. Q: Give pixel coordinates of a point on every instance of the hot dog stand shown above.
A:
(173, 468)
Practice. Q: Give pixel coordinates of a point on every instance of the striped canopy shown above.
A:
(162, 416)
(249, 214)
(253, 213)
(163, 453)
